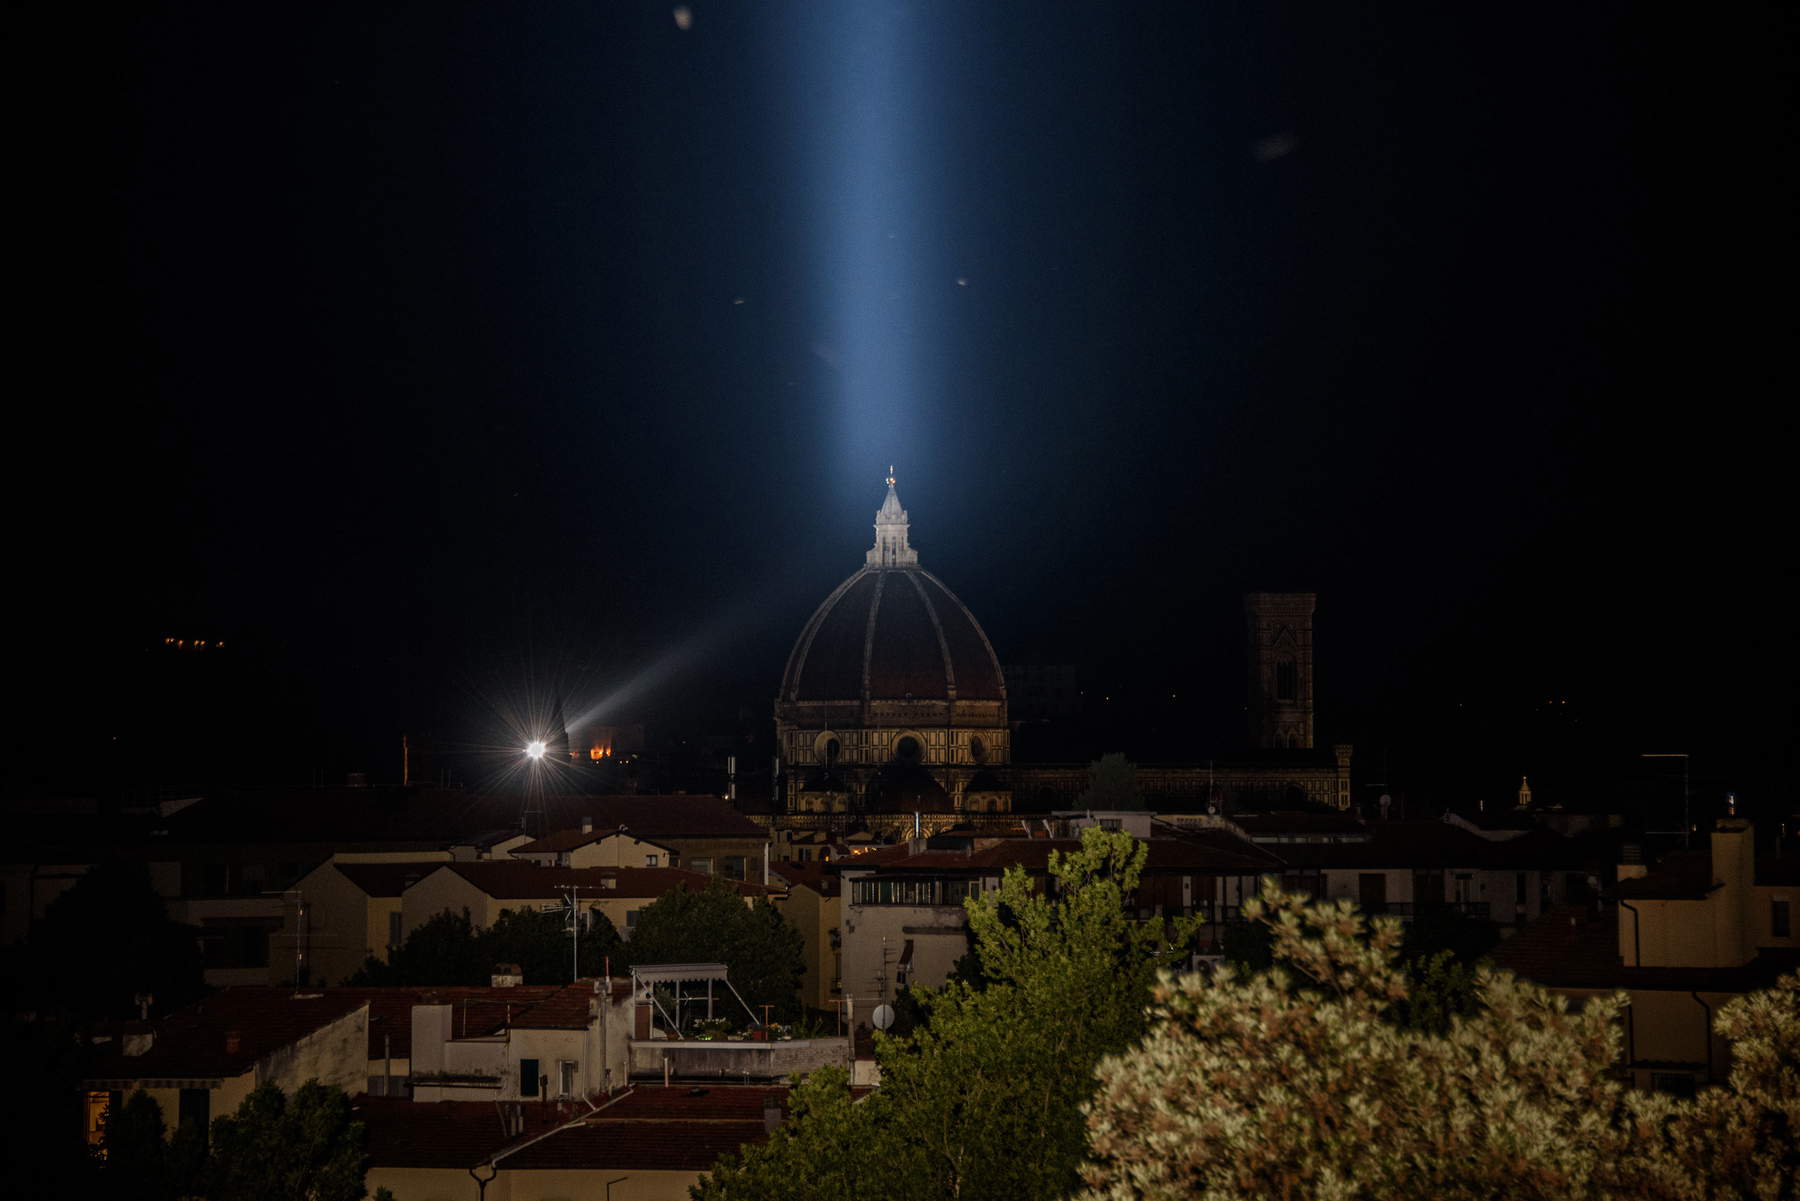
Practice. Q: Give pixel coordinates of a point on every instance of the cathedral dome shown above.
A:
(893, 702)
(892, 634)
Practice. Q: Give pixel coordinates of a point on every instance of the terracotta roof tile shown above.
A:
(1200, 851)
(808, 875)
(569, 1007)
(642, 1129)
(1299, 822)
(512, 879)
(480, 1010)
(225, 1034)
(653, 817)
(1681, 876)
(1576, 947)
(638, 1146)
(569, 840)
(444, 1134)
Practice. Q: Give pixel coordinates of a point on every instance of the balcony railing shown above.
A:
(1405, 910)
(1412, 909)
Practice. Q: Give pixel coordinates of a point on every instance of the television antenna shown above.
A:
(571, 911)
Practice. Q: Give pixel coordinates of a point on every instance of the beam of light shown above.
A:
(879, 230)
(769, 601)
(549, 701)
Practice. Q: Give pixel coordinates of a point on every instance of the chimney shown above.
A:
(771, 1111)
(587, 825)
(506, 975)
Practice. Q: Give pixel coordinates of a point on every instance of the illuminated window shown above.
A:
(94, 1109)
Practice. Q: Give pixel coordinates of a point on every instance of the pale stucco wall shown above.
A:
(1674, 1026)
(444, 889)
(1762, 912)
(622, 850)
(737, 1060)
(549, 1048)
(435, 1184)
(937, 935)
(815, 916)
(338, 926)
(445, 1184)
(336, 1053)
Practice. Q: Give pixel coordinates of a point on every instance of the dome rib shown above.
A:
(790, 684)
(877, 639)
(937, 625)
(967, 642)
(869, 631)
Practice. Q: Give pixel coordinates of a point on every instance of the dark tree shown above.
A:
(765, 955)
(42, 1146)
(308, 1147)
(985, 1098)
(108, 940)
(1112, 784)
(136, 1160)
(449, 950)
(1438, 928)
(442, 950)
(538, 941)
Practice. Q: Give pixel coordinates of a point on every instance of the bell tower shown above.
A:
(1280, 631)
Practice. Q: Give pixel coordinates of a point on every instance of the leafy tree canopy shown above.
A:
(139, 1163)
(765, 954)
(308, 1147)
(109, 939)
(1305, 1080)
(449, 949)
(984, 1099)
(1112, 784)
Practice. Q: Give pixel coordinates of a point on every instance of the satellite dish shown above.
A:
(883, 1017)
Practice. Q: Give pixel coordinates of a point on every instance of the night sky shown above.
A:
(437, 356)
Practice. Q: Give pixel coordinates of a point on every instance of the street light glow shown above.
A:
(534, 750)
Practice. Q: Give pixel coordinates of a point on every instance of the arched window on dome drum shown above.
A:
(833, 748)
(908, 750)
(977, 749)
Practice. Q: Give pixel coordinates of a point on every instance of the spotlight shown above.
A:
(534, 750)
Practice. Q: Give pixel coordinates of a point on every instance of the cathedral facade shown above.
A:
(893, 700)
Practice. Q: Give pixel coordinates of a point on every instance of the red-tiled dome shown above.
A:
(892, 634)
